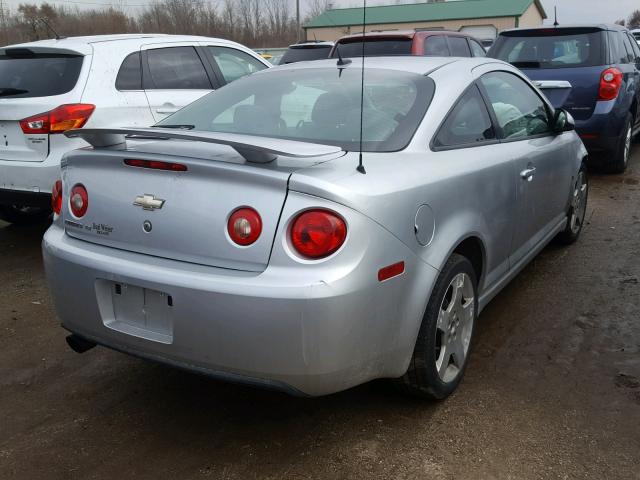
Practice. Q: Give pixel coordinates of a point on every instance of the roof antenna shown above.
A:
(555, 23)
(360, 167)
(43, 20)
(341, 61)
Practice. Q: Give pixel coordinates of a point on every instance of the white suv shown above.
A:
(50, 86)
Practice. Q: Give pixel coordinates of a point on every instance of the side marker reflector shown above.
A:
(391, 271)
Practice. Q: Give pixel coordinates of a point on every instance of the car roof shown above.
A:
(414, 64)
(312, 44)
(600, 26)
(403, 33)
(83, 45)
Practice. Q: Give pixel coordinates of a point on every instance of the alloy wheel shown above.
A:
(579, 203)
(627, 144)
(454, 327)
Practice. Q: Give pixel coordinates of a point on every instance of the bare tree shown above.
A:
(256, 23)
(317, 8)
(634, 20)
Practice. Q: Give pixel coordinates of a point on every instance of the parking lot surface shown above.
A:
(552, 389)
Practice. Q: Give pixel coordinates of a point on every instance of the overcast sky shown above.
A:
(569, 11)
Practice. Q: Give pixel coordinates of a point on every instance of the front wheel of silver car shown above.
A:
(444, 340)
(577, 209)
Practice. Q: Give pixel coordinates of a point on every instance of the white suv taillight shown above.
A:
(58, 120)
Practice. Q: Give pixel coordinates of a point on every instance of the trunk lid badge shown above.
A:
(148, 202)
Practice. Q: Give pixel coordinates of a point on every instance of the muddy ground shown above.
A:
(552, 389)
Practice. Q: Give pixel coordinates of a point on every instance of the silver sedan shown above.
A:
(258, 237)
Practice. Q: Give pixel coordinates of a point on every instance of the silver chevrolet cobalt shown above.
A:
(256, 237)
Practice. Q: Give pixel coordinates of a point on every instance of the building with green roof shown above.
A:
(480, 18)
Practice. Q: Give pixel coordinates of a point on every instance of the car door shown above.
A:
(467, 144)
(174, 75)
(132, 108)
(623, 59)
(635, 63)
(542, 158)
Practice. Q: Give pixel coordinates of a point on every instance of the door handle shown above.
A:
(527, 173)
(167, 110)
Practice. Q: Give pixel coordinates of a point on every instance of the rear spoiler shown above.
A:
(254, 149)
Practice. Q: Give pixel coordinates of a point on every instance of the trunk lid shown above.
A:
(191, 225)
(576, 55)
(31, 83)
(15, 145)
(575, 89)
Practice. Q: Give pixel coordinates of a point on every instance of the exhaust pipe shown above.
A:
(79, 344)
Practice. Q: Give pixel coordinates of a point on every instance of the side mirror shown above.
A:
(563, 121)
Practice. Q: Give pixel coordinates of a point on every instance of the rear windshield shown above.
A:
(25, 75)
(293, 55)
(318, 105)
(375, 47)
(555, 48)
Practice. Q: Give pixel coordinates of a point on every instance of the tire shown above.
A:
(577, 209)
(19, 215)
(434, 372)
(623, 151)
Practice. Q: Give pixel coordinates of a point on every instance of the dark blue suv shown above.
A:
(591, 71)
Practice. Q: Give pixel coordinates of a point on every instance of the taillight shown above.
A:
(318, 233)
(56, 197)
(610, 83)
(244, 226)
(79, 200)
(58, 120)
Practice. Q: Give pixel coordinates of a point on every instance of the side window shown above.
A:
(233, 63)
(130, 73)
(631, 56)
(459, 47)
(467, 124)
(436, 46)
(520, 112)
(177, 68)
(636, 47)
(477, 49)
(618, 52)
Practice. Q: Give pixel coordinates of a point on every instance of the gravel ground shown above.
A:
(552, 389)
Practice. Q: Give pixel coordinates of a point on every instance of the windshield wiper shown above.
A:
(11, 91)
(179, 127)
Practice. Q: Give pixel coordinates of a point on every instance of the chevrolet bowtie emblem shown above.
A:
(148, 202)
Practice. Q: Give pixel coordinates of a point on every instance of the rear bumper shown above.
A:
(23, 198)
(601, 132)
(32, 181)
(28, 181)
(288, 329)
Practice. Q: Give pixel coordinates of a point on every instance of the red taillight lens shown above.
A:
(156, 165)
(610, 83)
(244, 226)
(58, 120)
(56, 197)
(318, 233)
(79, 200)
